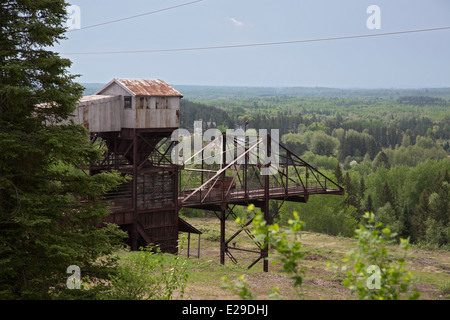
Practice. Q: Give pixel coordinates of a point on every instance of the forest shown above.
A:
(389, 151)
(387, 148)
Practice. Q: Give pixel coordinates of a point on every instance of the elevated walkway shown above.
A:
(247, 170)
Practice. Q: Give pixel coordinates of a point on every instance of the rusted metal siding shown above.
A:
(147, 206)
(156, 119)
(155, 104)
(155, 190)
(161, 228)
(159, 103)
(128, 118)
(116, 89)
(156, 206)
(157, 112)
(99, 113)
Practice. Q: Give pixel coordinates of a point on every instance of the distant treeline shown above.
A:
(230, 92)
(390, 155)
(368, 128)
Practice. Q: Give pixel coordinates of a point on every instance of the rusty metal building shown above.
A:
(133, 120)
(129, 118)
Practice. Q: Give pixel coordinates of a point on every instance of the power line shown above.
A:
(258, 44)
(135, 16)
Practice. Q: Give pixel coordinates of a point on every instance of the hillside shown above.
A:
(389, 149)
(320, 282)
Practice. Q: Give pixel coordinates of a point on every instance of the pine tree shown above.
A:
(48, 205)
(369, 204)
(421, 215)
(362, 188)
(381, 160)
(440, 202)
(352, 198)
(405, 222)
(338, 174)
(446, 176)
(386, 196)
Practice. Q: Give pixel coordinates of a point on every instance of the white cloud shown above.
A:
(237, 23)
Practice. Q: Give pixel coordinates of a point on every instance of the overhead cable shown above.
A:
(259, 44)
(135, 16)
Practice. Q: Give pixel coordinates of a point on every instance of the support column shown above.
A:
(176, 204)
(223, 206)
(265, 251)
(134, 231)
(222, 233)
(267, 218)
(189, 244)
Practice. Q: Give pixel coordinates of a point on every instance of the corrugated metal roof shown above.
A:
(149, 87)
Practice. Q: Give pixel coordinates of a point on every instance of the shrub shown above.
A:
(148, 275)
(370, 253)
(286, 243)
(289, 249)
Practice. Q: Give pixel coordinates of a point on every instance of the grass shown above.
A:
(320, 281)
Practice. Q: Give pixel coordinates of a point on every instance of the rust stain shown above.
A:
(149, 87)
(140, 103)
(86, 118)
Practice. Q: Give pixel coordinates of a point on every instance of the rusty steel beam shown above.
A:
(289, 186)
(138, 152)
(134, 232)
(219, 172)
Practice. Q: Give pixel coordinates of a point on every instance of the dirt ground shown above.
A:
(320, 280)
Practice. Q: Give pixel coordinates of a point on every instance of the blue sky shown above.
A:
(399, 61)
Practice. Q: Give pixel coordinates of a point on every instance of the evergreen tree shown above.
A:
(369, 204)
(48, 205)
(352, 198)
(440, 204)
(405, 222)
(381, 160)
(362, 188)
(446, 176)
(338, 175)
(421, 215)
(386, 196)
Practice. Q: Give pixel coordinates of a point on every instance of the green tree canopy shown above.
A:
(322, 144)
(294, 142)
(381, 160)
(48, 205)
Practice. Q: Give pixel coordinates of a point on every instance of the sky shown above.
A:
(413, 60)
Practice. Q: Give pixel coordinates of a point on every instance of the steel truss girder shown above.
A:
(294, 179)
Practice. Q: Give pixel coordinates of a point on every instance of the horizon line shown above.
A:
(405, 87)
